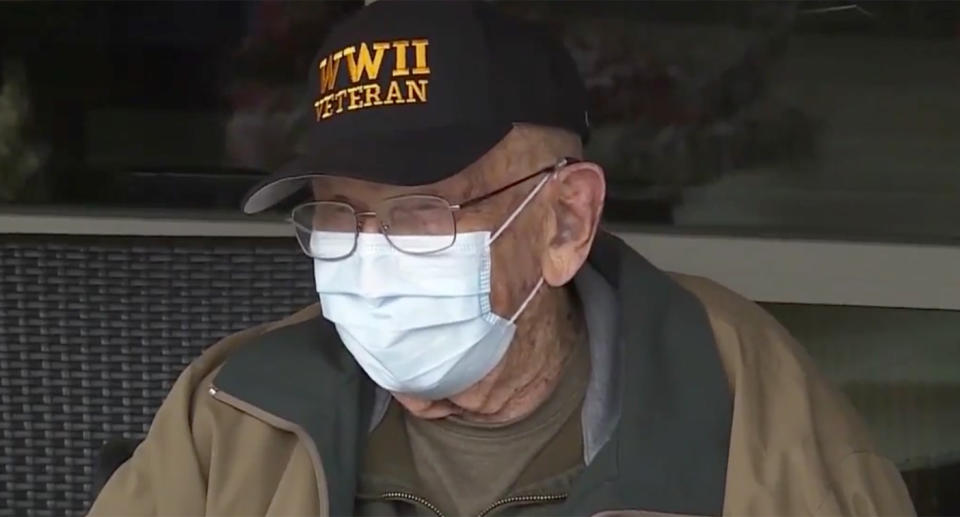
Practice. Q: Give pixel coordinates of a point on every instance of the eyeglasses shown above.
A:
(398, 217)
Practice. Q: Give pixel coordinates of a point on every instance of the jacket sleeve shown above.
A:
(867, 484)
(165, 475)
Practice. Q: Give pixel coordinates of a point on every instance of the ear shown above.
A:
(576, 195)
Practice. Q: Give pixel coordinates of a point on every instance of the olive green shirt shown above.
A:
(454, 467)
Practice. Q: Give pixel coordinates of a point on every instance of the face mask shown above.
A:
(419, 325)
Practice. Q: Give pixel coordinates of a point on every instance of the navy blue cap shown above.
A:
(412, 92)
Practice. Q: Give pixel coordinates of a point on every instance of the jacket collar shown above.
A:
(668, 452)
(304, 375)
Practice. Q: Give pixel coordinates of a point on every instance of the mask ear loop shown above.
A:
(520, 208)
(526, 302)
(526, 201)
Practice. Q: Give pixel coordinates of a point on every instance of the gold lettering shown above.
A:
(316, 109)
(400, 68)
(355, 99)
(324, 107)
(417, 89)
(328, 72)
(373, 95)
(393, 94)
(420, 48)
(363, 62)
(340, 96)
(357, 66)
(328, 109)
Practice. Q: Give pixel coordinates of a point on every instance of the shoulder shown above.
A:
(169, 472)
(747, 336)
(722, 304)
(194, 382)
(788, 418)
(772, 374)
(190, 415)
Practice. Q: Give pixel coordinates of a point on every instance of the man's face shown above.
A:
(515, 253)
(550, 237)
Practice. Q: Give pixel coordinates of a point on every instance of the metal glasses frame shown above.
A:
(454, 208)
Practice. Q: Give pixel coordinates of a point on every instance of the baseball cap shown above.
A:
(412, 92)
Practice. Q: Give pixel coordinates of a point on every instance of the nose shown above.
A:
(368, 223)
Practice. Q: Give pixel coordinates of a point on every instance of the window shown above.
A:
(831, 119)
(173, 104)
(790, 118)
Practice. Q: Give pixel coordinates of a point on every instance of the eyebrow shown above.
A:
(357, 204)
(341, 198)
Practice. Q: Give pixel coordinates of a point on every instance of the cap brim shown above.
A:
(412, 158)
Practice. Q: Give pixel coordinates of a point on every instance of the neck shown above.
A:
(547, 335)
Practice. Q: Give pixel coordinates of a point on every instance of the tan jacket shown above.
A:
(796, 446)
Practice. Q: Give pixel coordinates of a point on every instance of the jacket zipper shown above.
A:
(413, 498)
(280, 423)
(522, 499)
(497, 504)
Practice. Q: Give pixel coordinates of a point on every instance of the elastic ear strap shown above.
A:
(526, 302)
(521, 207)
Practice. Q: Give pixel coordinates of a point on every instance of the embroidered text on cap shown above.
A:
(408, 79)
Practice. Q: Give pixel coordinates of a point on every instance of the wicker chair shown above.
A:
(93, 332)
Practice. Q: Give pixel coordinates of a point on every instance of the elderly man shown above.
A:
(480, 347)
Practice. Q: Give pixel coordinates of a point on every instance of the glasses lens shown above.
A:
(418, 224)
(325, 230)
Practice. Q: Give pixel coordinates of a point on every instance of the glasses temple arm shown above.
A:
(553, 168)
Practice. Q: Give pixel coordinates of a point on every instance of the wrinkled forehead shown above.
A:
(362, 194)
(525, 149)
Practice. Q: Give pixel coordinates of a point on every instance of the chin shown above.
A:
(428, 409)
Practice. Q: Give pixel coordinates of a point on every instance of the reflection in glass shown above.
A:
(776, 117)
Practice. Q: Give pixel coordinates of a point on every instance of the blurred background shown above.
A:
(817, 118)
(778, 123)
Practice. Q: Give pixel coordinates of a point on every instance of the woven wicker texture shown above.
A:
(93, 331)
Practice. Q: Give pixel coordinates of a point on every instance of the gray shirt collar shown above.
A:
(601, 404)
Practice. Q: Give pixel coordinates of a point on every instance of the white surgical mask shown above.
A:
(419, 325)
